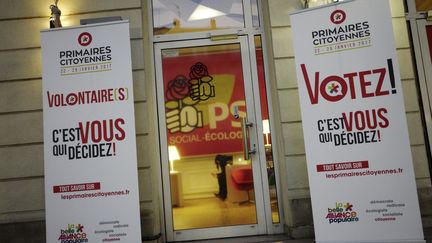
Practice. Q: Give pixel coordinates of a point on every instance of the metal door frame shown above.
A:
(257, 163)
(418, 23)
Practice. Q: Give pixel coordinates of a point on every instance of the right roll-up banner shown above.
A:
(358, 153)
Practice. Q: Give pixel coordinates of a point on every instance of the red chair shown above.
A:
(243, 180)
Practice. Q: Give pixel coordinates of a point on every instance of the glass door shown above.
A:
(212, 176)
(424, 65)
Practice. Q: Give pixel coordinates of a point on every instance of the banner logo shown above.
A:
(85, 39)
(85, 60)
(341, 35)
(342, 213)
(338, 16)
(74, 233)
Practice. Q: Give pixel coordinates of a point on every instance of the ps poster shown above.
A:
(358, 154)
(91, 178)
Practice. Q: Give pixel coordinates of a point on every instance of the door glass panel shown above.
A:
(429, 37)
(423, 5)
(255, 13)
(180, 16)
(204, 94)
(267, 132)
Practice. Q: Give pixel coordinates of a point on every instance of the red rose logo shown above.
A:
(178, 88)
(338, 16)
(84, 39)
(198, 71)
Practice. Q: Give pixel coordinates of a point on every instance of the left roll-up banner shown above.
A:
(91, 177)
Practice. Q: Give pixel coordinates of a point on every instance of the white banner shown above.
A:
(357, 148)
(91, 178)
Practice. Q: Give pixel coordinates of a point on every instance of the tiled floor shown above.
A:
(257, 239)
(218, 213)
(282, 239)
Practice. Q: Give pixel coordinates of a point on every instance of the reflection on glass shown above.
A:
(211, 185)
(422, 5)
(255, 13)
(173, 155)
(429, 37)
(175, 16)
(266, 131)
(315, 3)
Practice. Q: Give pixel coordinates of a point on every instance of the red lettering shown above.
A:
(110, 95)
(350, 77)
(313, 95)
(50, 99)
(55, 100)
(102, 130)
(371, 119)
(364, 84)
(108, 133)
(348, 121)
(365, 119)
(381, 114)
(84, 132)
(360, 120)
(121, 134)
(96, 128)
(335, 88)
(382, 73)
(104, 97)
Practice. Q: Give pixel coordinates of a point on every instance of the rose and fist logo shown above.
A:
(182, 94)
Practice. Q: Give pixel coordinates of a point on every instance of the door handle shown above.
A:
(247, 151)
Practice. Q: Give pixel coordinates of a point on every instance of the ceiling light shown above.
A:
(203, 12)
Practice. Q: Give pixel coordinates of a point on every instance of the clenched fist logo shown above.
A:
(182, 119)
(201, 89)
(182, 94)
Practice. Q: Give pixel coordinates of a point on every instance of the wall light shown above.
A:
(173, 154)
(266, 130)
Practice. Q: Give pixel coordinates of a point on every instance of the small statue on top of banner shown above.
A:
(55, 16)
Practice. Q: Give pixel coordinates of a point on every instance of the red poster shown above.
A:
(204, 97)
(429, 36)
